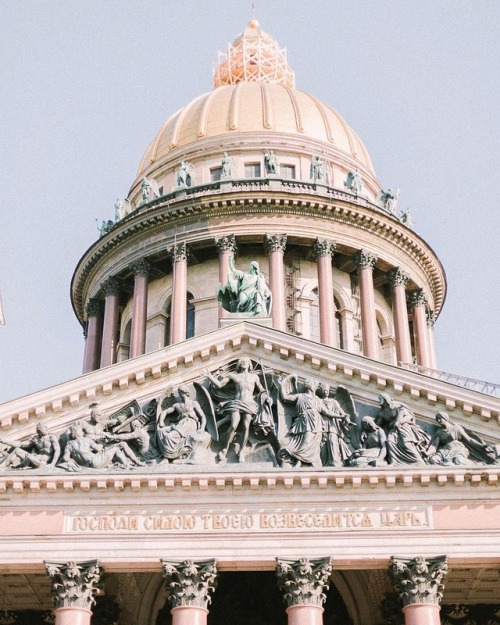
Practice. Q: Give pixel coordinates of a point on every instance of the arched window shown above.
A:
(123, 347)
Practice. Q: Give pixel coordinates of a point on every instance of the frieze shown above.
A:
(249, 415)
(250, 521)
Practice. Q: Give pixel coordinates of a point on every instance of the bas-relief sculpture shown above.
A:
(245, 291)
(244, 413)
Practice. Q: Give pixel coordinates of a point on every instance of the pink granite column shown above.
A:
(275, 245)
(366, 263)
(73, 588)
(323, 250)
(178, 309)
(304, 584)
(418, 303)
(431, 320)
(189, 585)
(419, 582)
(140, 309)
(226, 246)
(111, 289)
(92, 355)
(398, 280)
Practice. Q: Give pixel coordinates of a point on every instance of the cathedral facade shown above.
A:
(260, 432)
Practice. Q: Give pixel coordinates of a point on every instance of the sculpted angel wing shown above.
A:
(164, 401)
(154, 187)
(343, 396)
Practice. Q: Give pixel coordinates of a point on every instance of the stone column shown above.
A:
(419, 582)
(73, 588)
(323, 250)
(431, 320)
(226, 246)
(304, 584)
(275, 245)
(140, 309)
(366, 263)
(398, 280)
(189, 585)
(111, 290)
(178, 308)
(92, 356)
(418, 303)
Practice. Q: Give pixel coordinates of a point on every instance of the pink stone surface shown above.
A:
(401, 326)
(368, 318)
(189, 615)
(478, 517)
(93, 344)
(31, 523)
(72, 616)
(139, 317)
(110, 331)
(422, 342)
(305, 615)
(179, 307)
(326, 302)
(277, 286)
(422, 614)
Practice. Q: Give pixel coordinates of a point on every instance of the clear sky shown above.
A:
(86, 86)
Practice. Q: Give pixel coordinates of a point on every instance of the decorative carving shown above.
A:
(111, 287)
(418, 298)
(74, 583)
(431, 319)
(141, 268)
(338, 420)
(419, 580)
(190, 583)
(373, 446)
(179, 252)
(304, 581)
(95, 307)
(186, 176)
(149, 189)
(397, 277)
(365, 260)
(245, 292)
(318, 169)
(271, 162)
(323, 247)
(42, 450)
(354, 182)
(275, 242)
(226, 244)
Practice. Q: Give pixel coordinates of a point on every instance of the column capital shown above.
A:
(74, 583)
(418, 298)
(141, 268)
(397, 277)
(365, 259)
(111, 287)
(419, 580)
(323, 247)
(431, 319)
(95, 307)
(226, 244)
(304, 581)
(190, 583)
(275, 242)
(179, 252)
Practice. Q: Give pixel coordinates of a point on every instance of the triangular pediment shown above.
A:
(274, 356)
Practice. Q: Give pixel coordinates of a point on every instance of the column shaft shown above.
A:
(419, 302)
(92, 355)
(366, 263)
(227, 248)
(110, 325)
(189, 615)
(275, 245)
(327, 333)
(422, 614)
(398, 280)
(140, 310)
(178, 308)
(304, 615)
(72, 616)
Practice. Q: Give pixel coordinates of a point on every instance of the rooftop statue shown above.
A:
(245, 292)
(271, 162)
(150, 190)
(227, 166)
(318, 169)
(122, 208)
(406, 218)
(185, 174)
(245, 404)
(354, 182)
(42, 450)
(389, 200)
(105, 227)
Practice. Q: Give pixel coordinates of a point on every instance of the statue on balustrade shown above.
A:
(185, 174)
(372, 451)
(453, 445)
(303, 441)
(42, 450)
(354, 182)
(181, 424)
(271, 162)
(389, 200)
(150, 190)
(406, 442)
(245, 403)
(318, 169)
(245, 292)
(227, 166)
(122, 208)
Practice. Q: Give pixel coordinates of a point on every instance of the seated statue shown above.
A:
(373, 446)
(245, 292)
(42, 450)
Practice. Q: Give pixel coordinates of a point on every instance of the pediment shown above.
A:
(130, 391)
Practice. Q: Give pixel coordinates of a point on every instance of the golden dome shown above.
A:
(231, 111)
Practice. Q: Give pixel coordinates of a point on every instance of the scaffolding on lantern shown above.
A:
(254, 56)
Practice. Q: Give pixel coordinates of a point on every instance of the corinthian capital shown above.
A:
(190, 583)
(397, 277)
(323, 247)
(141, 268)
(111, 287)
(275, 243)
(418, 298)
(226, 244)
(419, 580)
(74, 583)
(94, 307)
(179, 252)
(365, 259)
(304, 581)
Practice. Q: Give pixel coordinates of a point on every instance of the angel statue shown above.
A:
(122, 208)
(181, 423)
(389, 200)
(302, 444)
(185, 174)
(354, 182)
(245, 292)
(318, 169)
(335, 449)
(245, 404)
(150, 190)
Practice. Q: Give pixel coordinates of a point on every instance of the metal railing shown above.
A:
(480, 386)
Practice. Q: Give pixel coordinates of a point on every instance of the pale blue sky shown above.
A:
(86, 85)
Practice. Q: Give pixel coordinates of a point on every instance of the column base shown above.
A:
(189, 615)
(422, 614)
(305, 615)
(72, 616)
